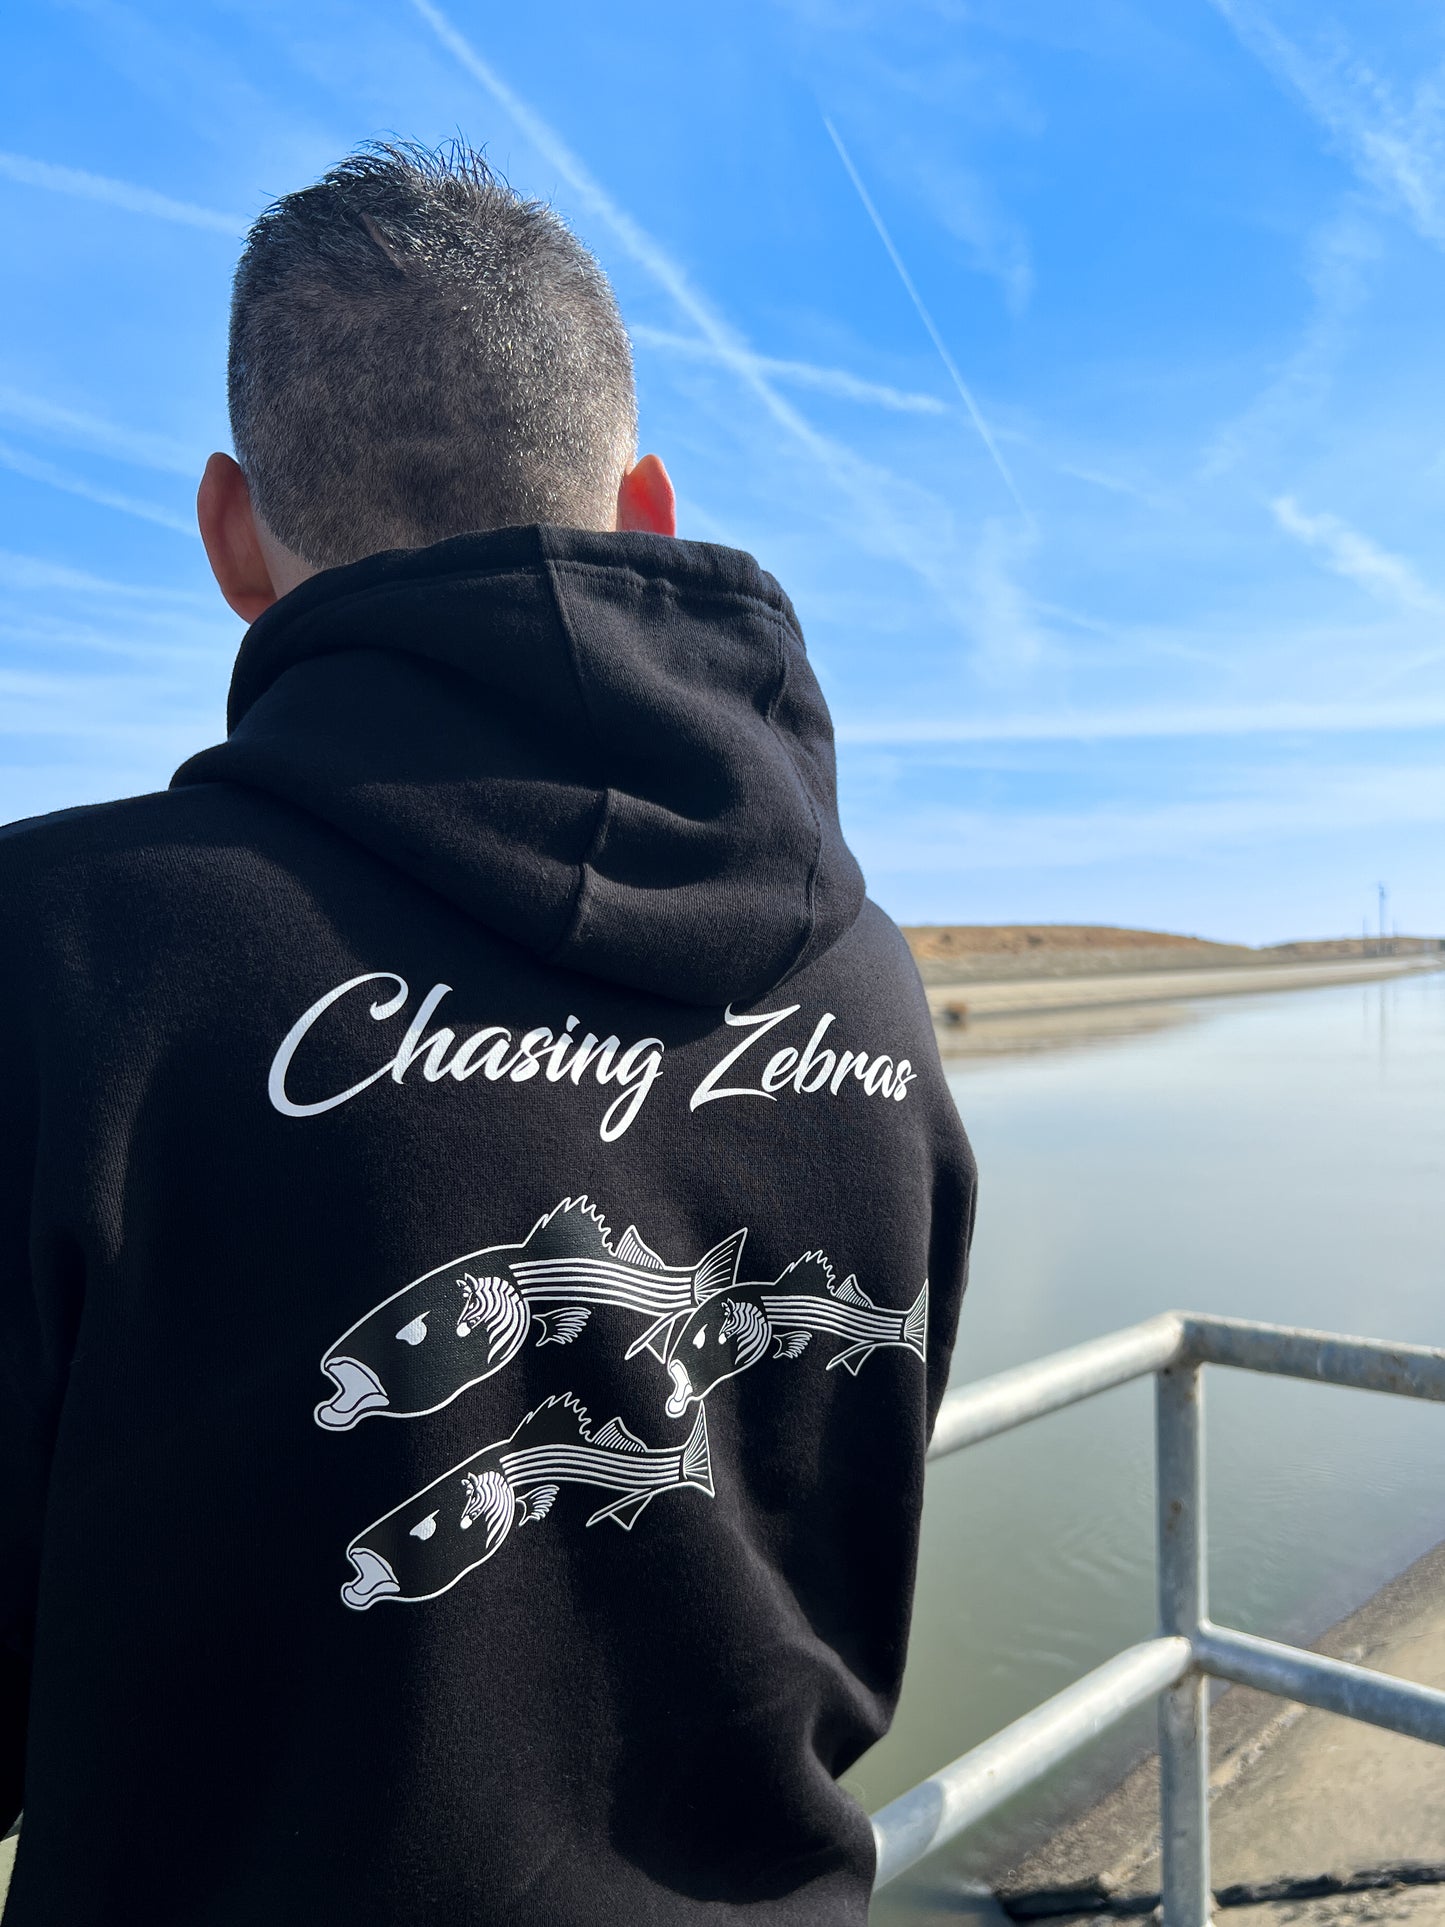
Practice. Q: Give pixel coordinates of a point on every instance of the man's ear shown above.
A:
(645, 499)
(233, 546)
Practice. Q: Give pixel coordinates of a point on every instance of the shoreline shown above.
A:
(957, 1007)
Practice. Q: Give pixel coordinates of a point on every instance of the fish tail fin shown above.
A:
(697, 1457)
(915, 1325)
(719, 1268)
(695, 1466)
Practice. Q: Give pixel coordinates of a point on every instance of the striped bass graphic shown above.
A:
(467, 1320)
(425, 1545)
(736, 1326)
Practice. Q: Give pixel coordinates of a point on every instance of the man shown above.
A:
(481, 1222)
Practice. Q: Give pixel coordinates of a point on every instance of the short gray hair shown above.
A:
(417, 351)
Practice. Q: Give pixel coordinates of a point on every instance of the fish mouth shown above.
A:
(374, 1579)
(677, 1399)
(358, 1391)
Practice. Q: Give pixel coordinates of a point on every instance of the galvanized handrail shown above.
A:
(1175, 1668)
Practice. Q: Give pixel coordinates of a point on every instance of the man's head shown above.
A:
(417, 352)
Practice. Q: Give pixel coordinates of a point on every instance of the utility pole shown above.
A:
(1384, 899)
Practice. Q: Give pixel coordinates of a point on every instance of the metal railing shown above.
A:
(1175, 1668)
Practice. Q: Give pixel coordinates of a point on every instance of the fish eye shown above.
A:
(700, 1337)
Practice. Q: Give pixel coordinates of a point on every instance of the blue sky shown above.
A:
(1117, 550)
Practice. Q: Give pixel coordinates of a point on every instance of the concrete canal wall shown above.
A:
(1300, 1798)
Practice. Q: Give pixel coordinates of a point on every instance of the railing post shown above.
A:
(1183, 1605)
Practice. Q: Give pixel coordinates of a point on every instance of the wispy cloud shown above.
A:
(122, 194)
(1097, 478)
(1006, 618)
(801, 374)
(962, 201)
(1348, 553)
(35, 574)
(887, 511)
(113, 707)
(1397, 146)
(965, 393)
(1277, 718)
(89, 431)
(204, 644)
(1339, 258)
(1308, 803)
(34, 470)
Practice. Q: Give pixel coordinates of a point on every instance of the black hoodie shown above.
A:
(481, 1233)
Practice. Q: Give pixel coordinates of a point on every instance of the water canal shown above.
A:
(1278, 1157)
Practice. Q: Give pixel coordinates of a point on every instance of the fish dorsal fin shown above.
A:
(809, 1274)
(615, 1436)
(719, 1268)
(852, 1293)
(632, 1251)
(559, 1419)
(574, 1229)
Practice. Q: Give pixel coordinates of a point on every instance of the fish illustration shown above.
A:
(425, 1545)
(734, 1326)
(459, 1324)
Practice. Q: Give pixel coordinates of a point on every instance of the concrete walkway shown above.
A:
(984, 1000)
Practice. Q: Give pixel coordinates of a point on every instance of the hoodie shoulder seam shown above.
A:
(578, 909)
(700, 590)
(810, 910)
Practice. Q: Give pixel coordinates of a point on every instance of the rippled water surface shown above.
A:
(1278, 1157)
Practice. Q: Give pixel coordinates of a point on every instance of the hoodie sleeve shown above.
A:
(955, 1202)
(32, 1350)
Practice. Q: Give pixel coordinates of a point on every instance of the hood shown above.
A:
(608, 748)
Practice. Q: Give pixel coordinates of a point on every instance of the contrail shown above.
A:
(38, 471)
(867, 486)
(804, 374)
(124, 194)
(728, 346)
(965, 395)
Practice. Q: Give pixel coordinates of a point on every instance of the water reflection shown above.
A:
(1010, 1034)
(1275, 1157)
